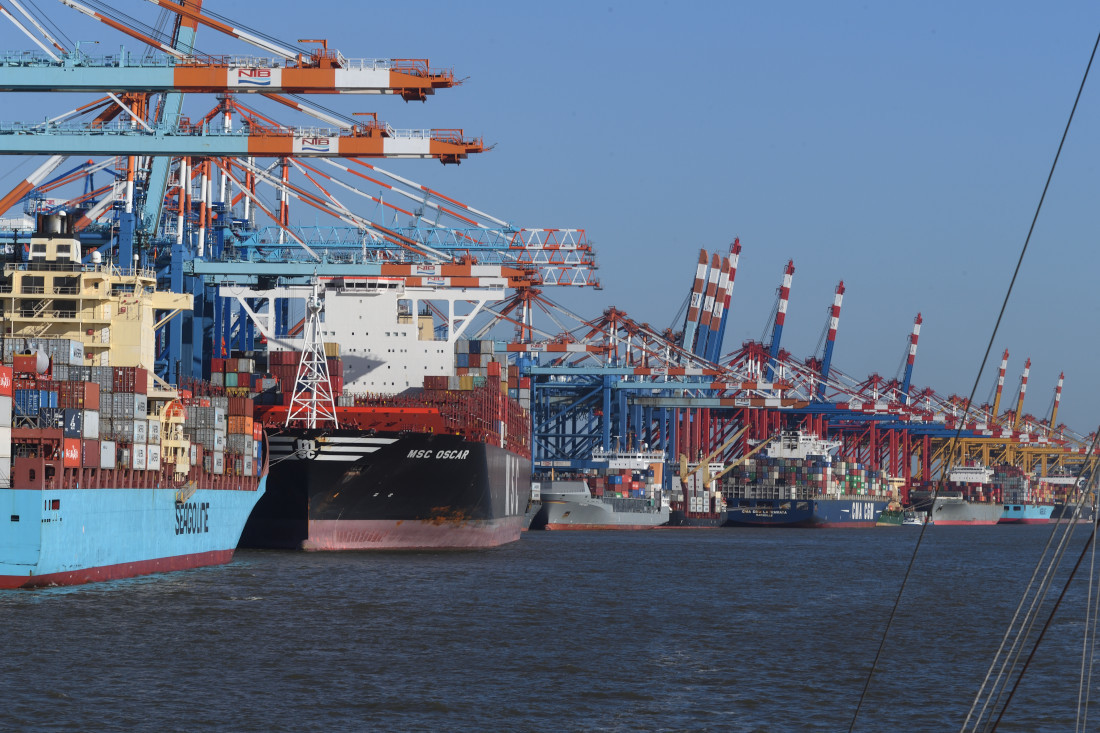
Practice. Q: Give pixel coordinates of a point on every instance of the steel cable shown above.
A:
(962, 422)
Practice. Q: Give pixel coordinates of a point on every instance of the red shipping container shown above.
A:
(25, 364)
(7, 381)
(257, 431)
(90, 453)
(525, 383)
(230, 365)
(71, 458)
(91, 396)
(494, 368)
(217, 365)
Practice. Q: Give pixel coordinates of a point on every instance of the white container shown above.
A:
(141, 431)
(138, 457)
(194, 455)
(5, 410)
(220, 422)
(248, 469)
(90, 430)
(152, 457)
(5, 443)
(106, 454)
(154, 432)
(219, 441)
(141, 406)
(218, 463)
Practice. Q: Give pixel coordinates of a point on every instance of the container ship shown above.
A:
(798, 483)
(1062, 494)
(625, 494)
(108, 471)
(420, 453)
(698, 504)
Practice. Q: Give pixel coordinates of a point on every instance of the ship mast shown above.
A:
(312, 401)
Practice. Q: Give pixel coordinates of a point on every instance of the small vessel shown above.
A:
(108, 472)
(892, 515)
(913, 518)
(625, 494)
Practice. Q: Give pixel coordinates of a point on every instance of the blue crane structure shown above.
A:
(168, 209)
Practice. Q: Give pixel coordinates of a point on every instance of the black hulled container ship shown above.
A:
(423, 454)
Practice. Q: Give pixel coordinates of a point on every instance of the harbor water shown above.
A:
(724, 630)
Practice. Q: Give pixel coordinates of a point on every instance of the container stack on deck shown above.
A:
(101, 417)
(849, 478)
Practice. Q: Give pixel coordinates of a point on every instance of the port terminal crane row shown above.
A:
(584, 395)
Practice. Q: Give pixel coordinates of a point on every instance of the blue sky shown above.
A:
(901, 148)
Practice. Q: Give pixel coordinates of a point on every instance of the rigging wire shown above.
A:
(46, 20)
(962, 422)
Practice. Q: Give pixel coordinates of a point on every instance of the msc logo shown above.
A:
(255, 77)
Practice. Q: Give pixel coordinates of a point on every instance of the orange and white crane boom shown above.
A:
(1020, 402)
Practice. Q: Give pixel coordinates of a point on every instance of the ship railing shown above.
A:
(106, 269)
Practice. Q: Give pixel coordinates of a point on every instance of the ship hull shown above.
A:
(694, 520)
(588, 513)
(347, 490)
(954, 512)
(1026, 514)
(817, 513)
(109, 534)
(1062, 513)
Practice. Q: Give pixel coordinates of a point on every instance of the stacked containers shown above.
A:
(283, 365)
(240, 442)
(7, 392)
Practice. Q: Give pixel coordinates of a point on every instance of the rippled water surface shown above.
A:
(738, 630)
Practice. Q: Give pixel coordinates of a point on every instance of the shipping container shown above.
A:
(106, 454)
(152, 457)
(74, 423)
(218, 463)
(71, 458)
(141, 431)
(89, 453)
(138, 457)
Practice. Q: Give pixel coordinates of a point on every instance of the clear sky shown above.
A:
(899, 147)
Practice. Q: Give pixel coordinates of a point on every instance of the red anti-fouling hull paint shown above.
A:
(117, 572)
(551, 525)
(382, 534)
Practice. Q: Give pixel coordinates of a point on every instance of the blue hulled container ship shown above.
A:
(106, 471)
(798, 483)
